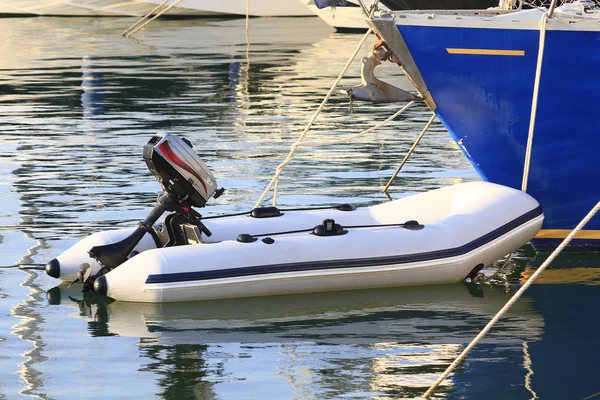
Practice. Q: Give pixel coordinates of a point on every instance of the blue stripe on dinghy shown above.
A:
(349, 263)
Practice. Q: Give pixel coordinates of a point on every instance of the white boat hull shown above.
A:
(465, 226)
(340, 18)
(138, 8)
(129, 284)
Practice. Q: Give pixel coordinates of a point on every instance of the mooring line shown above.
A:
(410, 151)
(351, 137)
(595, 395)
(534, 101)
(513, 299)
(294, 147)
(247, 21)
(139, 21)
(131, 31)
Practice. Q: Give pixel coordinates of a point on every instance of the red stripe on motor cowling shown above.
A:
(168, 152)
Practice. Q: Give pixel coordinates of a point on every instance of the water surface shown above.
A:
(78, 102)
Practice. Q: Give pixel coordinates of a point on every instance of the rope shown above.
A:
(284, 232)
(513, 299)
(409, 152)
(363, 7)
(402, 225)
(227, 215)
(373, 9)
(247, 18)
(352, 137)
(139, 21)
(534, 101)
(153, 18)
(290, 156)
(280, 210)
(365, 132)
(312, 208)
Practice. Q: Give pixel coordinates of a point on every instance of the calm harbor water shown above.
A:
(78, 102)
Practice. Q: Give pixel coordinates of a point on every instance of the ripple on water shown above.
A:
(78, 102)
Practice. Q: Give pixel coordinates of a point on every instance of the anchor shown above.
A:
(372, 89)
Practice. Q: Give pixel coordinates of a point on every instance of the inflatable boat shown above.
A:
(440, 236)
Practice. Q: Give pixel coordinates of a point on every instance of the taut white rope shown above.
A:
(139, 21)
(363, 133)
(536, 88)
(247, 18)
(290, 156)
(161, 12)
(410, 151)
(513, 299)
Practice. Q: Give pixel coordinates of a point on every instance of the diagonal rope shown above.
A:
(410, 151)
(144, 18)
(161, 12)
(513, 299)
(294, 147)
(372, 129)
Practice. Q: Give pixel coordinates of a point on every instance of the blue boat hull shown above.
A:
(484, 100)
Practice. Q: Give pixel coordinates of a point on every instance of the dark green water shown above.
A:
(78, 102)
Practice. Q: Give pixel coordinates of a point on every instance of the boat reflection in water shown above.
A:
(123, 8)
(394, 340)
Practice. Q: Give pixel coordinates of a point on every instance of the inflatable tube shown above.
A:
(464, 227)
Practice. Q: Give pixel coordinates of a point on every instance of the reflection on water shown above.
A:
(302, 317)
(392, 341)
(27, 327)
(78, 103)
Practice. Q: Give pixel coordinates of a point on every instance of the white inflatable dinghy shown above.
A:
(464, 227)
(440, 236)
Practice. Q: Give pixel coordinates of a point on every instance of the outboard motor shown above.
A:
(187, 182)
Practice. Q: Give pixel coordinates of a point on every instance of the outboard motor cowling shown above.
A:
(187, 182)
(179, 170)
